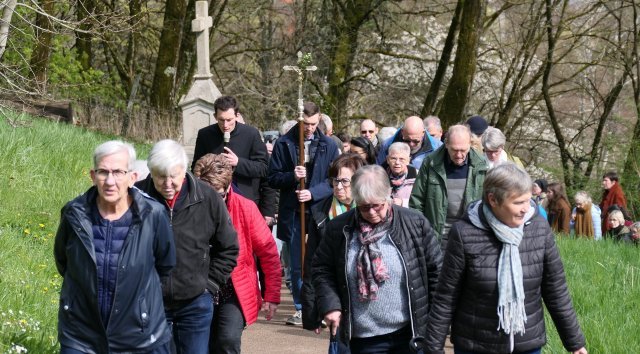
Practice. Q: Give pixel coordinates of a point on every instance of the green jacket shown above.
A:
(429, 194)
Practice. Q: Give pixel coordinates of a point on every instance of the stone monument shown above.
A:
(197, 104)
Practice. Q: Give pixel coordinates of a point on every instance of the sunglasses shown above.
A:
(367, 131)
(412, 141)
(365, 208)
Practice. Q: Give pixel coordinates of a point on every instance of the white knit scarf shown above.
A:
(511, 311)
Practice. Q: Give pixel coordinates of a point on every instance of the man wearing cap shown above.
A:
(413, 134)
(477, 125)
(448, 181)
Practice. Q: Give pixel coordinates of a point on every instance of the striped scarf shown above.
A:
(338, 208)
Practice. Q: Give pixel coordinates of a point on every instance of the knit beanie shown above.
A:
(542, 183)
(477, 125)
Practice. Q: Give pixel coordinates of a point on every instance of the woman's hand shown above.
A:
(332, 319)
(582, 350)
(269, 309)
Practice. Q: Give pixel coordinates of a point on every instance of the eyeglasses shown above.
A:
(398, 159)
(367, 131)
(102, 174)
(365, 208)
(336, 181)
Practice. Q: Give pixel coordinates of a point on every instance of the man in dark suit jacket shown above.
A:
(244, 149)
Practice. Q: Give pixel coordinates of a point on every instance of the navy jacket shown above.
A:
(281, 176)
(137, 322)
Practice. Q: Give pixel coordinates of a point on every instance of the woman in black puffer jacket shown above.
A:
(501, 262)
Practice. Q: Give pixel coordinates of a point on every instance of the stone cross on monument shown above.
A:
(197, 104)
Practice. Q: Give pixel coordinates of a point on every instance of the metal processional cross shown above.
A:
(304, 65)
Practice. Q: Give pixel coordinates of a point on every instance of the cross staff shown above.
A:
(301, 69)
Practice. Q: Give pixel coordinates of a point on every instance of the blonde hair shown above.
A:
(617, 215)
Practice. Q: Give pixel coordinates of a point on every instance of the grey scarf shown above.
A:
(511, 311)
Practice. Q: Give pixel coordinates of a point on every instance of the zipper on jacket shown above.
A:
(346, 276)
(404, 265)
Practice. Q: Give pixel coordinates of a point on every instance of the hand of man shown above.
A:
(304, 195)
(300, 172)
(582, 350)
(332, 319)
(269, 148)
(231, 158)
(269, 309)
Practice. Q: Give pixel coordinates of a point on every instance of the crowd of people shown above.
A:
(408, 235)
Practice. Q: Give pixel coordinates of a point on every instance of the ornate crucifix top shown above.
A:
(304, 62)
(201, 25)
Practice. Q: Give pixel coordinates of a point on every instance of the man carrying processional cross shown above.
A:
(285, 174)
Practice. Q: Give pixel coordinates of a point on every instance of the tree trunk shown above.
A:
(5, 22)
(548, 66)
(434, 89)
(349, 17)
(39, 61)
(464, 68)
(162, 88)
(84, 10)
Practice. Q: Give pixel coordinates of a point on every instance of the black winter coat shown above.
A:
(411, 233)
(317, 223)
(467, 293)
(206, 242)
(137, 321)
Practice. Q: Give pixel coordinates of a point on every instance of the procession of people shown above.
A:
(393, 245)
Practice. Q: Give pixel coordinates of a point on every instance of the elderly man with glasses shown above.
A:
(413, 134)
(113, 246)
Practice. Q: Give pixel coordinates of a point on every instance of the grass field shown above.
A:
(43, 165)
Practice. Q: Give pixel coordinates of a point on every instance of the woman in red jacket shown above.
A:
(239, 300)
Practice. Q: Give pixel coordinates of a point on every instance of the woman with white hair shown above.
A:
(375, 270)
(402, 175)
(500, 264)
(493, 142)
(585, 217)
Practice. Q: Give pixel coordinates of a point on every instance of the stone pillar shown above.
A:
(197, 104)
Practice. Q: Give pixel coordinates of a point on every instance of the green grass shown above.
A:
(44, 164)
(604, 281)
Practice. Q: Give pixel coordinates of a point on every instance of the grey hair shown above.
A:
(582, 197)
(459, 129)
(400, 147)
(505, 180)
(165, 155)
(385, 133)
(327, 121)
(635, 226)
(113, 147)
(432, 120)
(286, 126)
(370, 183)
(493, 139)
